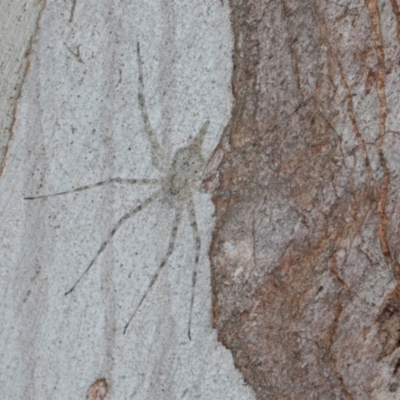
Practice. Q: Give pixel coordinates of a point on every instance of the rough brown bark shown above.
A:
(305, 254)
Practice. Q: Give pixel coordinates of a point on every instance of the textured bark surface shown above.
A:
(305, 255)
(18, 27)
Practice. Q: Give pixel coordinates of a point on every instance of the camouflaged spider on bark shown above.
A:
(175, 187)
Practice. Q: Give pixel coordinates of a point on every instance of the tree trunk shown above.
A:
(304, 240)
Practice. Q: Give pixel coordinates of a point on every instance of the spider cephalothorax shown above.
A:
(187, 166)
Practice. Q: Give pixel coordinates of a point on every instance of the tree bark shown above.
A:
(18, 27)
(305, 179)
(305, 255)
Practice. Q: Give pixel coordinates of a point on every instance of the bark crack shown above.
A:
(373, 9)
(21, 84)
(396, 12)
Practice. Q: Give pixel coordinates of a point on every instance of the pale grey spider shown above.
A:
(175, 188)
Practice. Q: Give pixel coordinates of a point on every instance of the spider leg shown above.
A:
(198, 140)
(197, 240)
(125, 217)
(160, 159)
(97, 184)
(171, 246)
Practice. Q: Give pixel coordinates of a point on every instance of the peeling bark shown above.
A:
(305, 254)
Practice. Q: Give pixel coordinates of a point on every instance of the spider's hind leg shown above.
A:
(197, 241)
(124, 218)
(171, 246)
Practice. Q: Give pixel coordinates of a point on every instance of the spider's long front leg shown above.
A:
(159, 157)
(97, 184)
(171, 246)
(124, 218)
(197, 241)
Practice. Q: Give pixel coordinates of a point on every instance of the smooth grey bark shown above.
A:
(79, 122)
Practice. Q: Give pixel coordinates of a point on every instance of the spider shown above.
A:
(175, 187)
